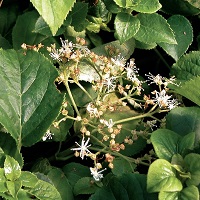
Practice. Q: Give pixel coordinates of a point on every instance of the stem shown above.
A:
(66, 76)
(161, 57)
(84, 90)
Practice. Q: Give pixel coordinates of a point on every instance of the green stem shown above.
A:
(66, 76)
(84, 90)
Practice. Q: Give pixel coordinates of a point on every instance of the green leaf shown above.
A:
(29, 96)
(184, 121)
(178, 7)
(4, 44)
(26, 22)
(126, 3)
(61, 183)
(165, 143)
(192, 164)
(194, 3)
(28, 179)
(43, 190)
(154, 29)
(126, 26)
(187, 67)
(53, 11)
(13, 187)
(183, 34)
(147, 6)
(78, 15)
(162, 177)
(126, 49)
(191, 90)
(75, 171)
(122, 166)
(12, 169)
(142, 45)
(187, 193)
(85, 186)
(112, 6)
(9, 146)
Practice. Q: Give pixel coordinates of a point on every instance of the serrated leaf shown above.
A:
(179, 7)
(183, 34)
(28, 95)
(192, 164)
(12, 169)
(185, 120)
(187, 67)
(26, 22)
(147, 6)
(165, 143)
(28, 179)
(191, 90)
(54, 12)
(162, 177)
(13, 187)
(43, 190)
(126, 26)
(61, 183)
(154, 29)
(85, 186)
(122, 166)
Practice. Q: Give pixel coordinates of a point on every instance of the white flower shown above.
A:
(83, 148)
(158, 80)
(55, 54)
(96, 175)
(110, 82)
(172, 104)
(48, 135)
(162, 99)
(119, 61)
(92, 110)
(108, 123)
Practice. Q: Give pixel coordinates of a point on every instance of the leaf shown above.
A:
(75, 171)
(184, 121)
(190, 192)
(26, 22)
(9, 146)
(28, 95)
(165, 143)
(4, 44)
(13, 187)
(142, 45)
(194, 3)
(61, 183)
(122, 166)
(191, 90)
(126, 26)
(179, 7)
(192, 164)
(187, 67)
(126, 49)
(53, 11)
(147, 6)
(12, 169)
(154, 29)
(183, 34)
(85, 186)
(126, 3)
(43, 190)
(78, 15)
(28, 179)
(162, 177)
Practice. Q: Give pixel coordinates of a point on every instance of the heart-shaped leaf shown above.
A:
(29, 99)
(54, 12)
(183, 34)
(162, 177)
